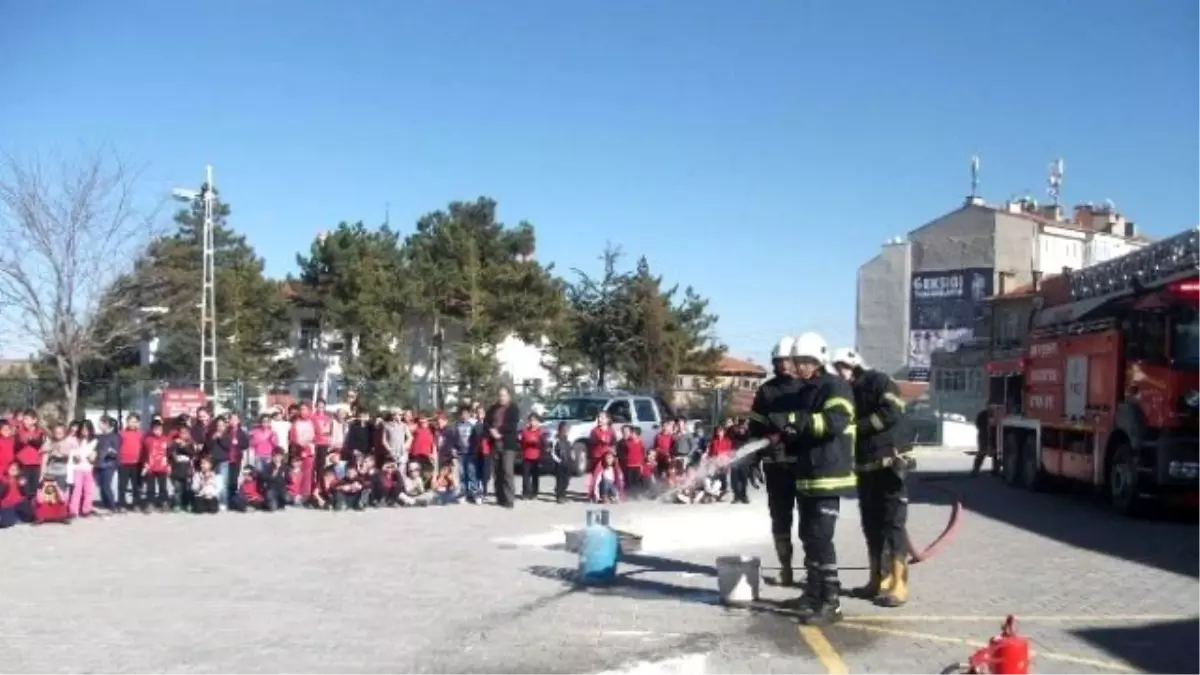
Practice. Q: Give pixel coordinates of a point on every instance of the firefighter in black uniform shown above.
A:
(882, 459)
(783, 393)
(821, 437)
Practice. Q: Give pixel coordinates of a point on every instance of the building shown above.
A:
(736, 379)
(928, 292)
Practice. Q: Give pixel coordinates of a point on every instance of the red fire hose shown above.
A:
(918, 556)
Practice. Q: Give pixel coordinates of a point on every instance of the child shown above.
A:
(49, 505)
(445, 486)
(181, 451)
(56, 456)
(108, 444)
(8, 445)
(561, 454)
(206, 489)
(664, 440)
(325, 495)
(422, 448)
(275, 483)
(156, 468)
(249, 496)
(333, 460)
(295, 495)
(607, 479)
(14, 505)
(29, 441)
(82, 461)
(263, 442)
(353, 492)
(387, 485)
(129, 453)
(634, 461)
(414, 492)
(720, 453)
(302, 439)
(531, 442)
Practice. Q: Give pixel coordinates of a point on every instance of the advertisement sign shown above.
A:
(944, 309)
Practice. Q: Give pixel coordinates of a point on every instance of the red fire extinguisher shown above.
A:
(1005, 654)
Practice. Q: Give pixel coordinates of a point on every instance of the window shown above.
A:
(644, 408)
(1146, 337)
(310, 333)
(618, 411)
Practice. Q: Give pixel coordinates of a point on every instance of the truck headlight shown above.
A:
(1192, 399)
(1185, 470)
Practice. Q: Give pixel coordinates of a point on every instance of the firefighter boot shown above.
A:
(871, 589)
(828, 609)
(810, 598)
(783, 549)
(895, 593)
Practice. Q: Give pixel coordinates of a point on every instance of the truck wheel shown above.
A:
(580, 450)
(1122, 480)
(1010, 460)
(1032, 476)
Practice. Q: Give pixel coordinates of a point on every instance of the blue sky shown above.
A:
(757, 150)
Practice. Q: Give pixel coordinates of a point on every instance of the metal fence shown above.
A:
(121, 396)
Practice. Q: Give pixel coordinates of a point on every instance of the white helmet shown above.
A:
(811, 346)
(783, 348)
(846, 356)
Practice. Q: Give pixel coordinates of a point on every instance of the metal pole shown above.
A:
(208, 301)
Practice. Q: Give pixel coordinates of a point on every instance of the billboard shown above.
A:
(944, 308)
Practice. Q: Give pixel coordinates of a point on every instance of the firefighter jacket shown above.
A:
(822, 439)
(880, 428)
(778, 396)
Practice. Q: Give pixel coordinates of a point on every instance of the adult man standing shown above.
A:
(503, 422)
(822, 440)
(783, 393)
(881, 456)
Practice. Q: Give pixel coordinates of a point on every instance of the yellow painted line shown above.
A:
(826, 654)
(1115, 666)
(999, 618)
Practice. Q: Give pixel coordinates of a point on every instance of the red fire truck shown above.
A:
(1106, 383)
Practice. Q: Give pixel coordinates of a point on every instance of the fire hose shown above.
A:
(915, 555)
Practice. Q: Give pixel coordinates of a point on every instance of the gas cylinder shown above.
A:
(1005, 654)
(599, 550)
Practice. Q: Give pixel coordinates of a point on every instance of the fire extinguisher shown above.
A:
(1005, 654)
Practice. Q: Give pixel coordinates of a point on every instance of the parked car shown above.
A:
(580, 412)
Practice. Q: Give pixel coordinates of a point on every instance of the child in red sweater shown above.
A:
(633, 461)
(14, 505)
(129, 454)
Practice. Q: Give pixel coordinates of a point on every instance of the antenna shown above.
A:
(975, 175)
(208, 298)
(1054, 184)
(387, 214)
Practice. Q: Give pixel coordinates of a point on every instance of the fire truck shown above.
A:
(1106, 380)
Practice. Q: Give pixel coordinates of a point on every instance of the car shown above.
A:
(580, 412)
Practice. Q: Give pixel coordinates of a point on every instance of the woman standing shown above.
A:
(503, 422)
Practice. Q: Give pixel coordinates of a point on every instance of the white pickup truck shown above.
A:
(580, 411)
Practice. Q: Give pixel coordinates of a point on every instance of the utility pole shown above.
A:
(208, 297)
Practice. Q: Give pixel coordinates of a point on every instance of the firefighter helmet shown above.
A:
(783, 348)
(846, 356)
(811, 346)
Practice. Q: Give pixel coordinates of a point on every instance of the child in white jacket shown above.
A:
(206, 484)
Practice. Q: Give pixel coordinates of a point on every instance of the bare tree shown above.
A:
(68, 238)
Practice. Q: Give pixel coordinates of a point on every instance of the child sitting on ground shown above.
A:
(415, 493)
(325, 495)
(49, 504)
(274, 481)
(249, 496)
(445, 485)
(14, 506)
(296, 470)
(206, 489)
(607, 480)
(387, 485)
(352, 491)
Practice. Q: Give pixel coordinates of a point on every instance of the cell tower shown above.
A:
(975, 176)
(1054, 184)
(208, 296)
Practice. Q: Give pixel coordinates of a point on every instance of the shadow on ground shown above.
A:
(1168, 647)
(1167, 541)
(768, 620)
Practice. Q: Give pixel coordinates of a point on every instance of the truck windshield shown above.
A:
(1185, 339)
(574, 409)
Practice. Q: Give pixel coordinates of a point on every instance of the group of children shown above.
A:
(311, 457)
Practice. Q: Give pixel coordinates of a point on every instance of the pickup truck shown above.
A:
(579, 412)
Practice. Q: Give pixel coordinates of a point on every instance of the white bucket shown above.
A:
(738, 578)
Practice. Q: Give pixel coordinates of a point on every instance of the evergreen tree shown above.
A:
(601, 316)
(253, 322)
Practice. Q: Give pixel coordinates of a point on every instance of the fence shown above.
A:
(118, 397)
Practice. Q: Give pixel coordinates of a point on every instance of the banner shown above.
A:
(944, 308)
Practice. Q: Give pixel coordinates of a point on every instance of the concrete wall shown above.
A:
(1015, 242)
(958, 240)
(881, 314)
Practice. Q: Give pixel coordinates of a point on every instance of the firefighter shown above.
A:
(882, 456)
(821, 437)
(783, 393)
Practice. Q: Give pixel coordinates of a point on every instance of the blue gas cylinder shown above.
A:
(599, 550)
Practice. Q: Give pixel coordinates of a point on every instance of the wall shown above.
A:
(1015, 237)
(881, 313)
(957, 240)
(1059, 248)
(1105, 247)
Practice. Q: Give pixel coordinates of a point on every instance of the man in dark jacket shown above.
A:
(502, 424)
(882, 456)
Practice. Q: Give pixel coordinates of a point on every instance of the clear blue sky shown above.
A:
(757, 150)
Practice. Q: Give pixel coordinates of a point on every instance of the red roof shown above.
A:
(729, 365)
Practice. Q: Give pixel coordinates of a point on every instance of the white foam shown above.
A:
(553, 537)
(700, 527)
(691, 664)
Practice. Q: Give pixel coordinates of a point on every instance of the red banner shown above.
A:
(176, 402)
